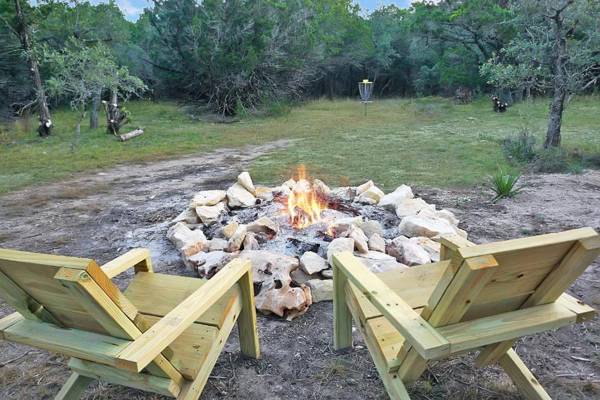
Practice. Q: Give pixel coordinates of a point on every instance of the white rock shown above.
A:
(300, 277)
(410, 207)
(209, 214)
(344, 193)
(327, 273)
(216, 244)
(230, 228)
(208, 198)
(290, 183)
(341, 226)
(269, 268)
(433, 248)
(364, 187)
(264, 193)
(187, 241)
(285, 301)
(264, 225)
(250, 242)
(188, 216)
(408, 252)
(245, 180)
(321, 290)
(338, 245)
(380, 262)
(439, 214)
(360, 239)
(370, 227)
(238, 196)
(412, 226)
(376, 243)
(208, 264)
(391, 200)
(237, 239)
(311, 263)
(320, 187)
(370, 196)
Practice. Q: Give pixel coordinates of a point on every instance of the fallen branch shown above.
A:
(129, 135)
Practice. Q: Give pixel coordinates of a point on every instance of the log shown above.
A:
(129, 135)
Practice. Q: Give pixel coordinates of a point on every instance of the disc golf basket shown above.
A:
(365, 88)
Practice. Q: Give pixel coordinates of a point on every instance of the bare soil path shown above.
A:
(105, 214)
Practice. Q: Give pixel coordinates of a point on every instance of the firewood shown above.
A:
(129, 135)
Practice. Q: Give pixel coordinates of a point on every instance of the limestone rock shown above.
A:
(312, 263)
(250, 242)
(290, 183)
(216, 244)
(433, 248)
(432, 228)
(321, 188)
(264, 193)
(237, 239)
(370, 196)
(344, 193)
(187, 241)
(210, 214)
(360, 239)
(245, 180)
(410, 207)
(239, 197)
(264, 225)
(286, 301)
(321, 290)
(439, 214)
(299, 277)
(408, 252)
(230, 228)
(376, 243)
(380, 262)
(188, 216)
(364, 187)
(341, 227)
(370, 227)
(208, 264)
(270, 269)
(327, 273)
(391, 200)
(339, 245)
(208, 198)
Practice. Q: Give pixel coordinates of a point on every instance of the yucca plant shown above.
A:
(504, 184)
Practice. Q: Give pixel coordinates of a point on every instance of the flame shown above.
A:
(304, 203)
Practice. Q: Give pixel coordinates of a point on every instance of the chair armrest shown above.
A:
(450, 243)
(151, 343)
(137, 258)
(422, 336)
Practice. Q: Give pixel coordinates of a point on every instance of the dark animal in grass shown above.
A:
(498, 105)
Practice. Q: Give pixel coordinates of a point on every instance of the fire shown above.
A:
(304, 203)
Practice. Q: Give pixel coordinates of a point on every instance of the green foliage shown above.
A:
(552, 160)
(520, 148)
(504, 184)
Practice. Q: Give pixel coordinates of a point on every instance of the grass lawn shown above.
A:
(427, 141)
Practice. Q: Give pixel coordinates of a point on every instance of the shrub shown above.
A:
(504, 184)
(520, 148)
(552, 160)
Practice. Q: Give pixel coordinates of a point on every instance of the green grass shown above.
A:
(426, 141)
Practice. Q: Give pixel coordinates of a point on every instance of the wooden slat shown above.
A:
(71, 342)
(43, 260)
(191, 390)
(116, 376)
(449, 244)
(410, 324)
(112, 291)
(480, 332)
(9, 321)
(152, 342)
(583, 311)
(525, 381)
(74, 387)
(247, 329)
(342, 319)
(139, 259)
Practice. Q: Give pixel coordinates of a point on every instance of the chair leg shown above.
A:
(342, 318)
(394, 386)
(74, 387)
(247, 328)
(524, 380)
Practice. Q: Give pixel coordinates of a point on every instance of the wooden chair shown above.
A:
(163, 334)
(480, 297)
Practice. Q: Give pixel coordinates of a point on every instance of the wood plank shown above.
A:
(173, 290)
(191, 390)
(74, 388)
(342, 319)
(449, 244)
(415, 329)
(582, 310)
(43, 260)
(524, 380)
(139, 259)
(247, 329)
(152, 342)
(497, 328)
(146, 382)
(9, 321)
(71, 342)
(112, 291)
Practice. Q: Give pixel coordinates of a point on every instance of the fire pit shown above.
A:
(290, 233)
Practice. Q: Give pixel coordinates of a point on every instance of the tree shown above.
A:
(557, 49)
(81, 72)
(22, 29)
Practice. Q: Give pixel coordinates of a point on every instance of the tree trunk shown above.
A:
(45, 127)
(94, 111)
(557, 107)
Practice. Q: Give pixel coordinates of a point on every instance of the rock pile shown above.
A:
(292, 267)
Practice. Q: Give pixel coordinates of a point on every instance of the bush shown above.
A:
(504, 184)
(552, 160)
(520, 148)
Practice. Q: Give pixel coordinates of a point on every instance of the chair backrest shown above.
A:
(72, 293)
(494, 278)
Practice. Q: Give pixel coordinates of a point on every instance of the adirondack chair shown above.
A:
(162, 335)
(479, 297)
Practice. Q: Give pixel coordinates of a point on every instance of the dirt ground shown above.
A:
(104, 214)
